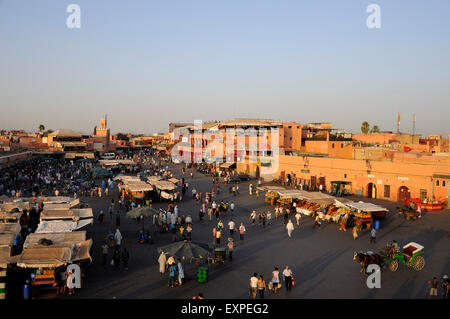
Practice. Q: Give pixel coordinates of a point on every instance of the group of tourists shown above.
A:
(175, 269)
(258, 286)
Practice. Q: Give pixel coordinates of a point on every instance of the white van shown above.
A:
(109, 156)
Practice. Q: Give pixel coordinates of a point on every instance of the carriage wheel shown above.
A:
(419, 263)
(393, 266)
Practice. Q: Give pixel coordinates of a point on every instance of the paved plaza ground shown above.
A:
(321, 259)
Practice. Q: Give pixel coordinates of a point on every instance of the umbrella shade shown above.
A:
(5, 198)
(186, 250)
(142, 211)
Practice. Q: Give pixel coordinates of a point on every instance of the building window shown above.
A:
(332, 145)
(387, 191)
(443, 183)
(437, 183)
(342, 145)
(345, 175)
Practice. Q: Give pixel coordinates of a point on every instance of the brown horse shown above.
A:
(366, 259)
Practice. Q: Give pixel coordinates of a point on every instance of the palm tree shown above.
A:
(122, 137)
(365, 127)
(41, 127)
(375, 129)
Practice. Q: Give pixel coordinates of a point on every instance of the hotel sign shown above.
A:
(371, 176)
(305, 170)
(403, 178)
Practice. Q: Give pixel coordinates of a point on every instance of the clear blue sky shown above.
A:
(146, 63)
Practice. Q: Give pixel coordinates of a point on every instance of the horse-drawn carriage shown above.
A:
(407, 213)
(411, 256)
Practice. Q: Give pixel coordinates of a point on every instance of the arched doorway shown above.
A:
(257, 173)
(403, 194)
(372, 190)
(313, 185)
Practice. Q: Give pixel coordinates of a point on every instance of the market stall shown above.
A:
(62, 226)
(47, 260)
(69, 214)
(426, 205)
(64, 238)
(366, 213)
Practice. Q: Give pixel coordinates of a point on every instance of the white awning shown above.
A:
(62, 226)
(366, 207)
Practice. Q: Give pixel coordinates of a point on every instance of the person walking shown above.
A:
(275, 280)
(105, 250)
(218, 236)
(180, 273)
(343, 223)
(253, 285)
(189, 232)
(269, 217)
(231, 227)
(253, 218)
(373, 233)
(118, 237)
(445, 287)
(355, 233)
(298, 216)
(290, 228)
(316, 221)
(70, 282)
(172, 273)
(210, 213)
(241, 231)
(261, 287)
(288, 278)
(232, 208)
(230, 246)
(162, 260)
(433, 290)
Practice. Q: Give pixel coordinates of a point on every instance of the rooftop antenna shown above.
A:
(398, 123)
